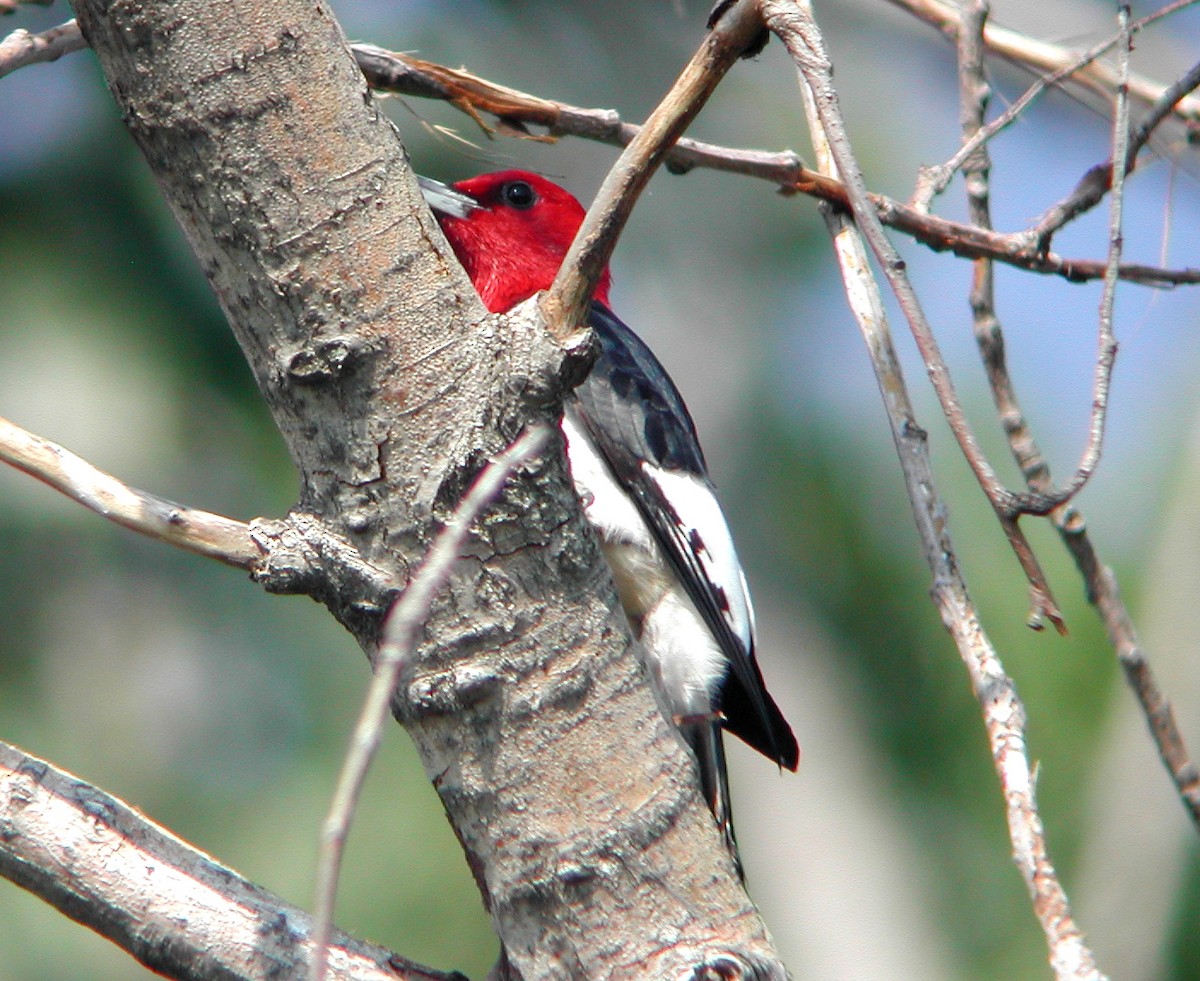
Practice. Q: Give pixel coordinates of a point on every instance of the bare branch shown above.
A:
(201, 532)
(803, 41)
(395, 71)
(734, 31)
(405, 618)
(974, 95)
(21, 48)
(1004, 716)
(100, 862)
(1044, 56)
(1106, 341)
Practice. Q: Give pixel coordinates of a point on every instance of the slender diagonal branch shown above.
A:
(974, 95)
(734, 31)
(402, 624)
(1004, 714)
(1106, 338)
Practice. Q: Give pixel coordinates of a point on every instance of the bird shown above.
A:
(640, 474)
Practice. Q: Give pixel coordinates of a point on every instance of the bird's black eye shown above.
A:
(519, 195)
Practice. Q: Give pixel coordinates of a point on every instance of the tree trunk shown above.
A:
(573, 798)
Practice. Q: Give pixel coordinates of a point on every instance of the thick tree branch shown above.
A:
(100, 862)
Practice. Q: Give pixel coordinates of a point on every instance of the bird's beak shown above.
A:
(444, 200)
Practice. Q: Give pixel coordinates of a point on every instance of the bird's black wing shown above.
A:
(637, 419)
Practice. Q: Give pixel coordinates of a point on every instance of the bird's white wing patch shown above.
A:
(704, 533)
(609, 508)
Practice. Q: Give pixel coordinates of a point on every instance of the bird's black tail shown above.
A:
(703, 736)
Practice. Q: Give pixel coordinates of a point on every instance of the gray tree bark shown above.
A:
(575, 803)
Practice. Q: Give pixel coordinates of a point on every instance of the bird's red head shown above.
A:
(513, 243)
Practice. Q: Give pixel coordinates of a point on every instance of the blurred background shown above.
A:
(222, 712)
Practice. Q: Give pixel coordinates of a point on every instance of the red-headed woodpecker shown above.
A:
(637, 465)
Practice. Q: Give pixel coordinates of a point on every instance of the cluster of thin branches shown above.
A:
(856, 219)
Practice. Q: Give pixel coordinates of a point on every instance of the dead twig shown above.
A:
(406, 616)
(735, 28)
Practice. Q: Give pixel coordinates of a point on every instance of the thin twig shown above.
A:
(934, 180)
(1106, 341)
(1044, 56)
(1006, 504)
(975, 93)
(399, 631)
(394, 71)
(202, 532)
(1004, 715)
(735, 30)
